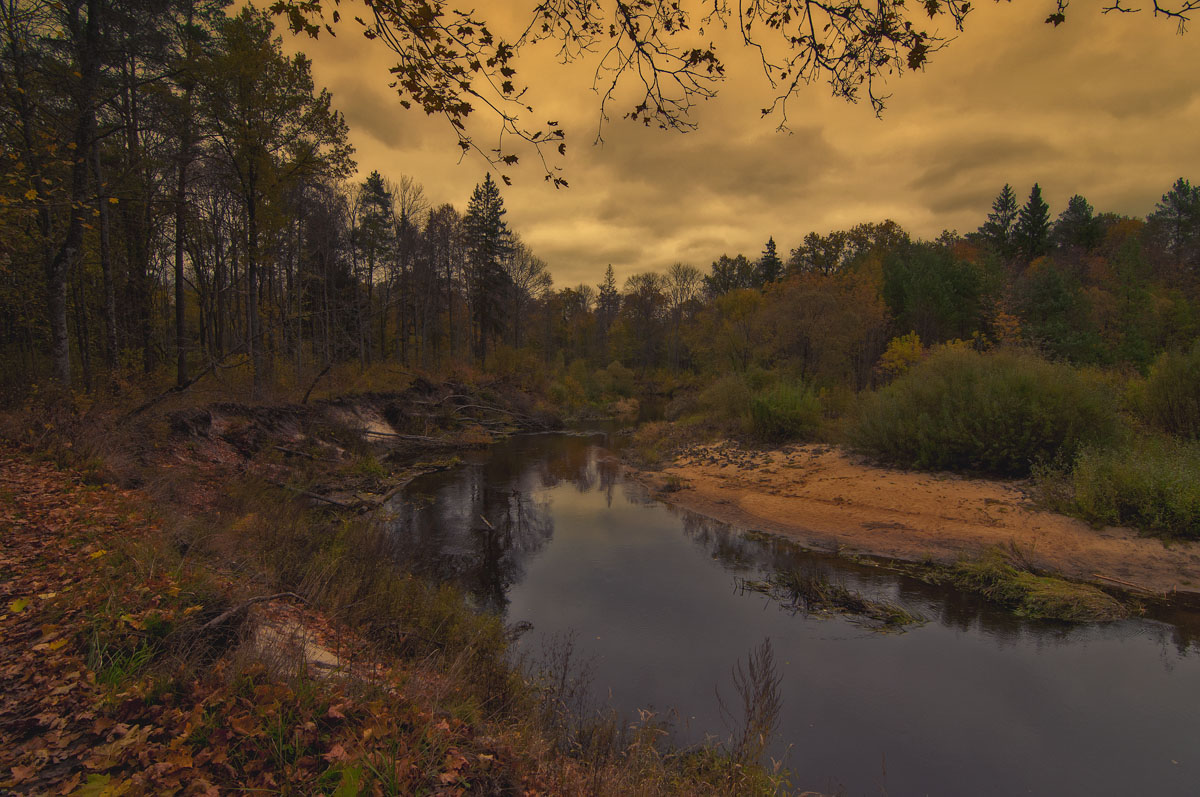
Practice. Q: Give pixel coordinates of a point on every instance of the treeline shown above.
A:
(853, 308)
(175, 196)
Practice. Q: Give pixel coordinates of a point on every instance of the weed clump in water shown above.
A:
(814, 593)
(997, 578)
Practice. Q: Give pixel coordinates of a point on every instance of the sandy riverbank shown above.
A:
(827, 499)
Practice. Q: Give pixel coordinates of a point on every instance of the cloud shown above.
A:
(1105, 106)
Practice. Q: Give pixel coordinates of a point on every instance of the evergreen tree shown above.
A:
(608, 304)
(1175, 224)
(997, 231)
(374, 243)
(770, 267)
(1077, 227)
(488, 243)
(1032, 232)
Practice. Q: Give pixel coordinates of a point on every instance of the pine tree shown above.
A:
(1175, 223)
(374, 243)
(770, 267)
(488, 243)
(998, 229)
(1032, 233)
(1077, 227)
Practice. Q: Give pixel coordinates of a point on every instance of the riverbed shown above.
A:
(548, 531)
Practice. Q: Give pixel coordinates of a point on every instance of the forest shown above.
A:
(227, 348)
(178, 196)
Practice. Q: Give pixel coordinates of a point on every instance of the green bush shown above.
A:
(998, 413)
(1153, 484)
(726, 399)
(784, 412)
(1171, 397)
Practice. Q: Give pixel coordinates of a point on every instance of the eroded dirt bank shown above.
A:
(830, 500)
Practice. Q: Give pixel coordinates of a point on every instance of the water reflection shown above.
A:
(977, 701)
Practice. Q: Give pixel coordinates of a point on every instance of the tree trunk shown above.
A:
(110, 292)
(59, 267)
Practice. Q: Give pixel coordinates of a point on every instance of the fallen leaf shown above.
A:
(336, 753)
(21, 774)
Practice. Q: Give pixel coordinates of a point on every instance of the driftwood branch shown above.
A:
(212, 366)
(413, 437)
(245, 605)
(1129, 584)
(310, 494)
(313, 386)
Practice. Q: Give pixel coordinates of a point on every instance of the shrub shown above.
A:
(902, 353)
(1153, 484)
(1171, 397)
(726, 399)
(999, 412)
(617, 380)
(784, 412)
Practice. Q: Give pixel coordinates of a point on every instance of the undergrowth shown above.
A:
(785, 412)
(1152, 484)
(1171, 396)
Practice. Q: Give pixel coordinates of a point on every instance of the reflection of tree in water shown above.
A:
(765, 554)
(474, 532)
(478, 525)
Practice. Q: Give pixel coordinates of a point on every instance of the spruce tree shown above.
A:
(488, 243)
(770, 267)
(998, 229)
(1077, 227)
(1032, 233)
(1175, 223)
(608, 304)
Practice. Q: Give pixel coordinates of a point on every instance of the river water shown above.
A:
(973, 702)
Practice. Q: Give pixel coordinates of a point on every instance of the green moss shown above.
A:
(996, 578)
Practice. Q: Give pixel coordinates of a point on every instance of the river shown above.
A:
(545, 529)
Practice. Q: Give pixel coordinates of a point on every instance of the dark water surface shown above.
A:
(974, 702)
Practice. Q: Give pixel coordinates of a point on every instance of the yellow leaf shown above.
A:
(57, 645)
(31, 194)
(112, 200)
(18, 606)
(95, 786)
(97, 554)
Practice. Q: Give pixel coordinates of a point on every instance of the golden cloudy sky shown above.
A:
(1104, 106)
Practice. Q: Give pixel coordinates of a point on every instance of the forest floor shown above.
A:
(831, 500)
(122, 672)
